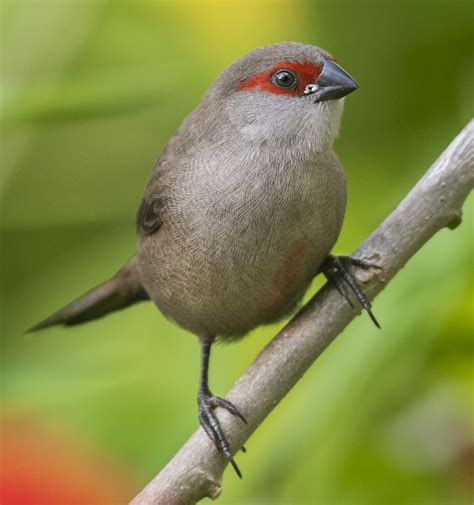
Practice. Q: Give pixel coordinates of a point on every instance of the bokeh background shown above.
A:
(91, 91)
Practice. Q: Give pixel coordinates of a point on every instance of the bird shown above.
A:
(241, 210)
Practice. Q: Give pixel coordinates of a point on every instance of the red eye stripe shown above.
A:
(307, 73)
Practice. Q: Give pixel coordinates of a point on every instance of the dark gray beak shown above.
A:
(333, 83)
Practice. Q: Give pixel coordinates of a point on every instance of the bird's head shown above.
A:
(284, 90)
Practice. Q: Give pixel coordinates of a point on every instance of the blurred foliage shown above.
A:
(91, 91)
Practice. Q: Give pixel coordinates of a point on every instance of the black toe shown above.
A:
(337, 271)
(207, 403)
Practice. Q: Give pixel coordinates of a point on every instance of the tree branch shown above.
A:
(434, 203)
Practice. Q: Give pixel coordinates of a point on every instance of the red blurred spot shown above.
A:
(38, 468)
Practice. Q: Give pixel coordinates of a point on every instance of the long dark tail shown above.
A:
(122, 290)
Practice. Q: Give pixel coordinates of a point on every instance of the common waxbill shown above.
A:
(241, 209)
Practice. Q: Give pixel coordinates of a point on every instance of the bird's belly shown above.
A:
(226, 285)
(287, 280)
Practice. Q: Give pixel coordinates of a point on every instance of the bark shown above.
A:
(434, 203)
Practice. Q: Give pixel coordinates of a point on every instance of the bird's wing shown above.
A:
(122, 290)
(149, 215)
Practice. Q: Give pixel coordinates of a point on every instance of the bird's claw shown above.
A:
(217, 401)
(349, 261)
(337, 270)
(207, 402)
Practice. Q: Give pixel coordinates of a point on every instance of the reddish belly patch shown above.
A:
(283, 283)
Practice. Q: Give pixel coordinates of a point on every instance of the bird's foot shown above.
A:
(337, 271)
(207, 402)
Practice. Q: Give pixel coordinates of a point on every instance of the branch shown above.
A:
(434, 203)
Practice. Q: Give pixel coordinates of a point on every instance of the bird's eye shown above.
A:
(284, 79)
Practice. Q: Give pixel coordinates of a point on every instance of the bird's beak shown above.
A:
(333, 83)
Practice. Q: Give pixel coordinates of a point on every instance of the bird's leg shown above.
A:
(207, 402)
(337, 270)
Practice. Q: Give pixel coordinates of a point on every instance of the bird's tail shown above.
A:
(122, 290)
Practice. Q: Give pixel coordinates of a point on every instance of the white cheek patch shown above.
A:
(310, 88)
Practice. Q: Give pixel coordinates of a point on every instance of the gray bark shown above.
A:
(434, 203)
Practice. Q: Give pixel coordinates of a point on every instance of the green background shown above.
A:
(91, 92)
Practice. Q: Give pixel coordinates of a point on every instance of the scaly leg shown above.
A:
(207, 402)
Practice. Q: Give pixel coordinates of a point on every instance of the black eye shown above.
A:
(284, 79)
